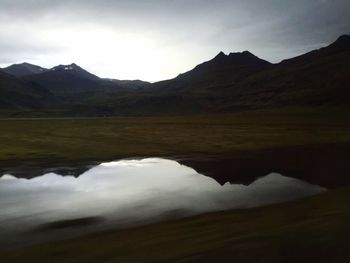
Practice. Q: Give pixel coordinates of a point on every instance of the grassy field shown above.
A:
(311, 230)
(106, 139)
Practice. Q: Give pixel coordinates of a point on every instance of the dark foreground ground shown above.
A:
(311, 230)
(310, 145)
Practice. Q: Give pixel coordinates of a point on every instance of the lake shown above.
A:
(125, 193)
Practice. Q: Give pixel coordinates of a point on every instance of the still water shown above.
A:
(128, 192)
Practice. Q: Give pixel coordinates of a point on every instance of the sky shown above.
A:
(158, 39)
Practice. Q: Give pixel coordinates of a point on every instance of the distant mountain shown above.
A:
(132, 84)
(226, 83)
(342, 44)
(23, 69)
(73, 70)
(72, 82)
(196, 90)
(64, 88)
(224, 62)
(222, 70)
(318, 78)
(242, 81)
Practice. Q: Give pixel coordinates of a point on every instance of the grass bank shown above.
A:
(105, 139)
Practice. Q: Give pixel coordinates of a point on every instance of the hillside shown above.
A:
(318, 78)
(18, 95)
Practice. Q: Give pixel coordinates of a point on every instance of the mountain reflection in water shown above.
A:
(131, 192)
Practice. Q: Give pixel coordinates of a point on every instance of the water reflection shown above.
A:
(131, 191)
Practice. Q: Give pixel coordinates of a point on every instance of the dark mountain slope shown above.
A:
(24, 69)
(73, 83)
(132, 84)
(80, 93)
(221, 71)
(318, 78)
(197, 90)
(342, 44)
(241, 81)
(73, 70)
(18, 95)
(65, 79)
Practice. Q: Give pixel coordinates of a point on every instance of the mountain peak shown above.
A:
(74, 69)
(244, 53)
(235, 57)
(342, 44)
(24, 69)
(231, 65)
(343, 40)
(72, 66)
(25, 64)
(343, 37)
(220, 55)
(246, 58)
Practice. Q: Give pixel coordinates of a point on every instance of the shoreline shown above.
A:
(325, 165)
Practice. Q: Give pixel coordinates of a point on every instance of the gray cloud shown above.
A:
(195, 29)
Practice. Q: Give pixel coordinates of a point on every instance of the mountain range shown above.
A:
(227, 83)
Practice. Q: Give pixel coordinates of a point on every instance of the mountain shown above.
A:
(71, 82)
(20, 96)
(64, 89)
(80, 93)
(73, 70)
(342, 44)
(132, 84)
(221, 71)
(226, 83)
(23, 69)
(318, 78)
(241, 81)
(196, 90)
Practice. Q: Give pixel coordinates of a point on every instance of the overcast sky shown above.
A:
(158, 39)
